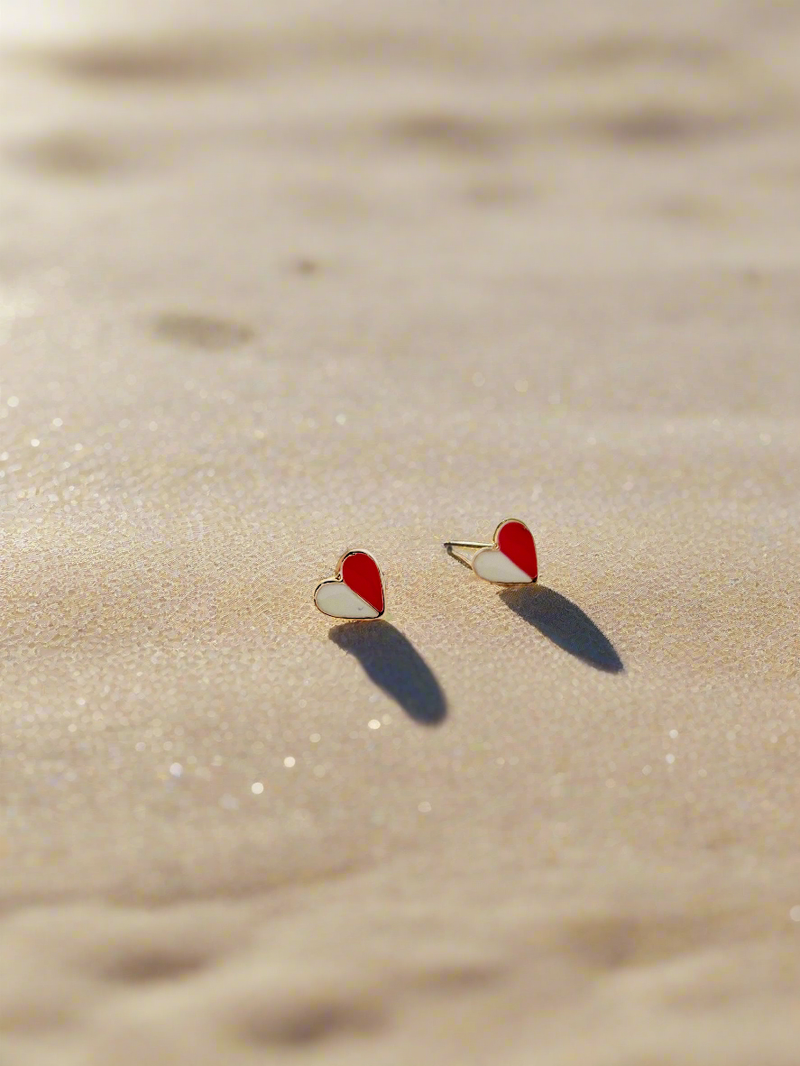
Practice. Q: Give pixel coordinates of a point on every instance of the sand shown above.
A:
(276, 283)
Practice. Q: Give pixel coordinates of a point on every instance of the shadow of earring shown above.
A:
(391, 661)
(563, 622)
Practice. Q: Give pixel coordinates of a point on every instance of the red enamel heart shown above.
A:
(515, 541)
(361, 574)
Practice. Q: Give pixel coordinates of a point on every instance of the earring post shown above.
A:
(449, 545)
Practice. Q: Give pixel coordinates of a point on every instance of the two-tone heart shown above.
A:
(355, 592)
(512, 560)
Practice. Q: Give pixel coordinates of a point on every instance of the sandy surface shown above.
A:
(349, 274)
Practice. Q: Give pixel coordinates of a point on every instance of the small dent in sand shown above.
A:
(66, 154)
(153, 964)
(452, 134)
(305, 265)
(309, 1020)
(662, 124)
(201, 331)
(156, 60)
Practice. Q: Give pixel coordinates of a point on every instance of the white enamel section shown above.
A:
(334, 598)
(492, 565)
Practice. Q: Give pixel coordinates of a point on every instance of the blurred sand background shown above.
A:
(277, 280)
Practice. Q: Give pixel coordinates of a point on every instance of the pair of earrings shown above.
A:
(356, 590)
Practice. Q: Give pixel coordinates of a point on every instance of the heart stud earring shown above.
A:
(355, 592)
(509, 560)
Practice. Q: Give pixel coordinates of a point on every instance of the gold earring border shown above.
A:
(337, 576)
(493, 544)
